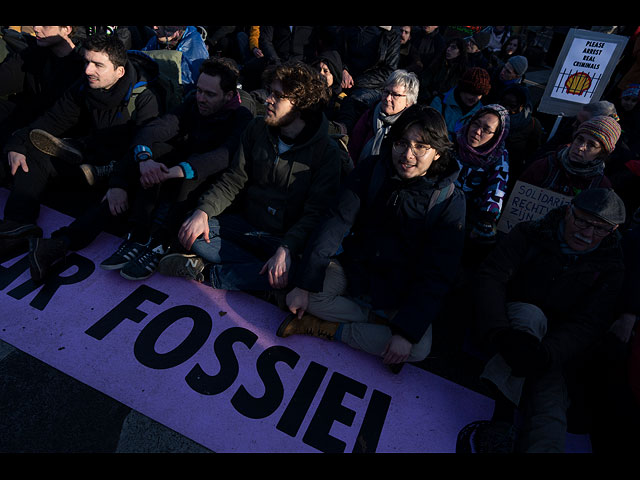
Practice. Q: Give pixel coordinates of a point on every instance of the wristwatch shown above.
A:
(142, 153)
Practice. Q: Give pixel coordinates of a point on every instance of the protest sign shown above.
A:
(581, 72)
(528, 202)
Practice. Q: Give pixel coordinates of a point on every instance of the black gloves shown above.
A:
(523, 352)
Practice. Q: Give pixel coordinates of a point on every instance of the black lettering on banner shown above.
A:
(54, 280)
(331, 410)
(301, 400)
(206, 384)
(144, 350)
(126, 310)
(371, 427)
(9, 274)
(264, 406)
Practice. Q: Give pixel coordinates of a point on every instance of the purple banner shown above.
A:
(207, 364)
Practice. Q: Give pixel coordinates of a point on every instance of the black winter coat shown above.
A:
(281, 43)
(400, 253)
(34, 79)
(577, 293)
(370, 54)
(207, 143)
(96, 116)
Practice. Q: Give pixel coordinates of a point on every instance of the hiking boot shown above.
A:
(144, 265)
(184, 265)
(307, 325)
(51, 145)
(12, 229)
(493, 437)
(44, 252)
(127, 251)
(94, 173)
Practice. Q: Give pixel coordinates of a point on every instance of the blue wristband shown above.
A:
(188, 170)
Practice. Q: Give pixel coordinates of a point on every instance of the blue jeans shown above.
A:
(236, 251)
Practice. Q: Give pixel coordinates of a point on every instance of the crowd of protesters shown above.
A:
(355, 176)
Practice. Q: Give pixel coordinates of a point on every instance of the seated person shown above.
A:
(484, 169)
(400, 92)
(172, 160)
(400, 221)
(186, 40)
(464, 100)
(94, 113)
(580, 165)
(543, 297)
(250, 226)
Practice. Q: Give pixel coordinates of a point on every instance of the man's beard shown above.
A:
(283, 121)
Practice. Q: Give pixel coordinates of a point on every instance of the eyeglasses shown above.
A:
(583, 223)
(386, 93)
(475, 125)
(275, 94)
(418, 149)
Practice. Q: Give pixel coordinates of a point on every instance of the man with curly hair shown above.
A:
(252, 224)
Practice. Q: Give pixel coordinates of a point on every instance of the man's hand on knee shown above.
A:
(17, 160)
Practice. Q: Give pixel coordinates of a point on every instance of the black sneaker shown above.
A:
(126, 252)
(44, 252)
(94, 173)
(15, 230)
(144, 265)
(486, 436)
(51, 145)
(185, 265)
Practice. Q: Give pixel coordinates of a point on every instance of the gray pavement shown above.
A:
(43, 410)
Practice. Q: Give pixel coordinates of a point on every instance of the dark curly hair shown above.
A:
(111, 45)
(306, 88)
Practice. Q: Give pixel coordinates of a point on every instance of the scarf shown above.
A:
(381, 126)
(488, 154)
(592, 169)
(101, 99)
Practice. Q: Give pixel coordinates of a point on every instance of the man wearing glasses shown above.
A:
(543, 298)
(399, 229)
(250, 226)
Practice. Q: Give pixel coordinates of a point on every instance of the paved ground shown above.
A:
(44, 410)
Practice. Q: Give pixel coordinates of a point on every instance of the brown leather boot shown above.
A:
(307, 325)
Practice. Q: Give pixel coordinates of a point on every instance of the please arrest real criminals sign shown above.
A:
(582, 71)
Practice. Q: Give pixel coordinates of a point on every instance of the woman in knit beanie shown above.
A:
(484, 169)
(460, 103)
(579, 165)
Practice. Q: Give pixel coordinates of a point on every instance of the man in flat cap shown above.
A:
(543, 298)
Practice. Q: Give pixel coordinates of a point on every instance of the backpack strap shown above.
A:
(132, 94)
(440, 195)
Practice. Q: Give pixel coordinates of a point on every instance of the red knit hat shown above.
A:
(475, 80)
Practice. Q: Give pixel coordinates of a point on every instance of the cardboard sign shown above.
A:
(528, 202)
(582, 71)
(207, 363)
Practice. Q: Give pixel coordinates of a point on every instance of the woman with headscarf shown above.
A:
(484, 169)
